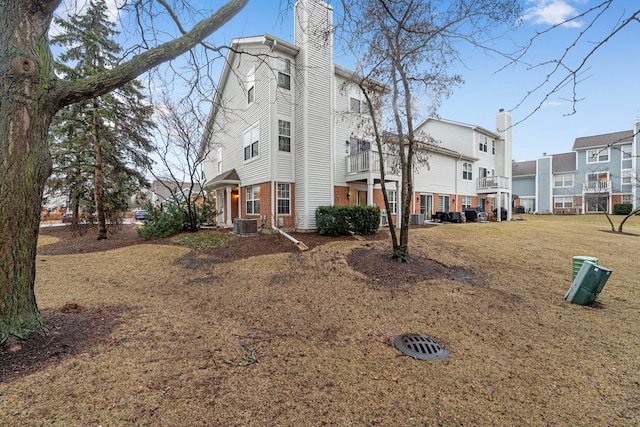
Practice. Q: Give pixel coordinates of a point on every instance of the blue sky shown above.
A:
(609, 93)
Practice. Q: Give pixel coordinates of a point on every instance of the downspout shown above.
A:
(301, 246)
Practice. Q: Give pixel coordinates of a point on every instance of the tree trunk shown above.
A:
(30, 94)
(25, 164)
(98, 176)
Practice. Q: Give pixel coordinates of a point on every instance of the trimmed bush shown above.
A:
(622, 208)
(345, 220)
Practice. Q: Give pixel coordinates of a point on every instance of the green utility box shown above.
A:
(577, 263)
(588, 283)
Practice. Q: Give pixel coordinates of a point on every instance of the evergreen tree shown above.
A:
(98, 145)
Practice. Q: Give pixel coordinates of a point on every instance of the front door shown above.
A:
(426, 205)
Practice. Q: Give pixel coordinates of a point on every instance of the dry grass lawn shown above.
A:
(320, 333)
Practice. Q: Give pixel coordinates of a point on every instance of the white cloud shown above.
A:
(551, 12)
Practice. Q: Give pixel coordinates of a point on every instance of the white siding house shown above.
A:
(285, 136)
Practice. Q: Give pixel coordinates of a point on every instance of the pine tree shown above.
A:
(98, 145)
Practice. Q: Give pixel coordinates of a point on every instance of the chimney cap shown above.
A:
(502, 110)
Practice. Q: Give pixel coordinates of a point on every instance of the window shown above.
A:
(354, 105)
(627, 198)
(443, 204)
(466, 202)
(563, 202)
(564, 180)
(253, 200)
(284, 136)
(627, 177)
(251, 87)
(598, 155)
(284, 73)
(467, 173)
(284, 199)
(392, 195)
(251, 142)
(493, 146)
(626, 156)
(482, 143)
(358, 146)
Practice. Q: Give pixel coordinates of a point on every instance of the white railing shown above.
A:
(598, 185)
(493, 183)
(369, 161)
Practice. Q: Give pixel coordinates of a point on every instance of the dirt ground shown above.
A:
(74, 328)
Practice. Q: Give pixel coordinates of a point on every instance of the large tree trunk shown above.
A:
(25, 165)
(30, 95)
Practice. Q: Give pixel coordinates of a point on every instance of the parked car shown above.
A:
(140, 215)
(67, 218)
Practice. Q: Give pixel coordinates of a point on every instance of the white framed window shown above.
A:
(284, 199)
(354, 105)
(482, 143)
(252, 142)
(466, 202)
(284, 73)
(627, 156)
(493, 147)
(358, 145)
(627, 177)
(627, 198)
(563, 180)
(598, 155)
(443, 203)
(392, 196)
(563, 201)
(467, 171)
(284, 136)
(251, 87)
(253, 200)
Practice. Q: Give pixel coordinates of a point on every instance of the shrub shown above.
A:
(344, 220)
(622, 208)
(162, 222)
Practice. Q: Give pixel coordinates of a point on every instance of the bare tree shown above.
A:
(409, 46)
(566, 72)
(180, 155)
(31, 95)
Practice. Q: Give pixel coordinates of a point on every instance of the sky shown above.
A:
(609, 90)
(609, 93)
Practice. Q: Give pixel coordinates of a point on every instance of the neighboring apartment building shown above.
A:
(601, 171)
(285, 136)
(470, 167)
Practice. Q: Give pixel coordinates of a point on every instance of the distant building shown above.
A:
(601, 171)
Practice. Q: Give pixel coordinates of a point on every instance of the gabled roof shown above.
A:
(229, 177)
(466, 125)
(523, 168)
(603, 140)
(565, 162)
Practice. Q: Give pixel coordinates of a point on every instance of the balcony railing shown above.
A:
(369, 161)
(493, 183)
(597, 186)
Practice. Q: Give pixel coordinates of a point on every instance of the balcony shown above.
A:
(597, 186)
(369, 162)
(493, 184)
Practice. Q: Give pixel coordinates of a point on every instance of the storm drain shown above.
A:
(420, 346)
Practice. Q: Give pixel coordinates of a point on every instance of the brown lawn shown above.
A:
(256, 333)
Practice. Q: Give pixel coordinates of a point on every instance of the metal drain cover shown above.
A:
(420, 346)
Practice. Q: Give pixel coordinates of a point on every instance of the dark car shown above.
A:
(140, 215)
(67, 218)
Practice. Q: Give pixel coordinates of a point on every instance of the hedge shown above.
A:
(345, 220)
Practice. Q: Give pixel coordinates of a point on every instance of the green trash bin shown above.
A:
(588, 283)
(578, 261)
